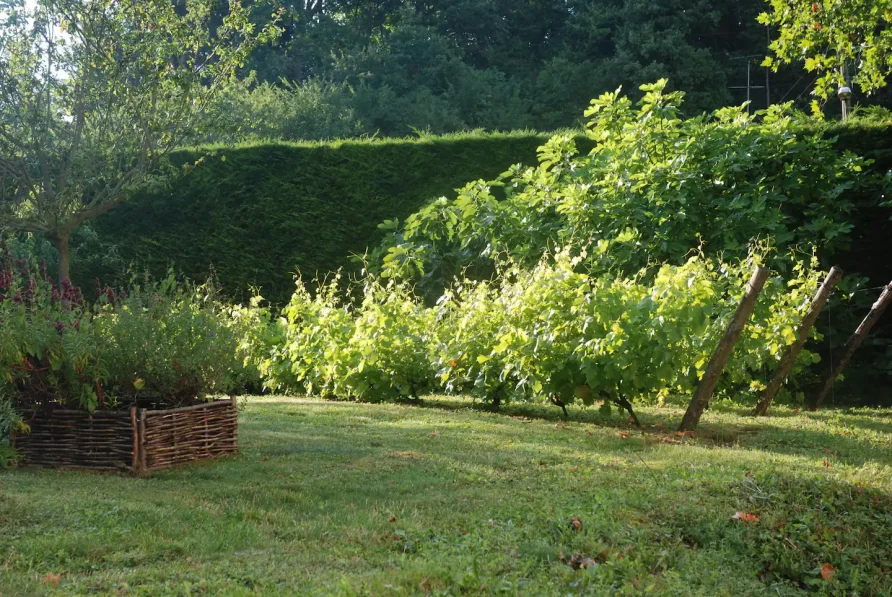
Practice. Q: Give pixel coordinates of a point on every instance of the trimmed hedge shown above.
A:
(256, 214)
(870, 253)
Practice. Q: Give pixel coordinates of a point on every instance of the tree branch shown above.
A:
(23, 225)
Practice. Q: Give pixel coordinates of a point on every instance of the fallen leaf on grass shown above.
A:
(433, 434)
(745, 517)
(561, 426)
(51, 579)
(827, 572)
(576, 523)
(393, 519)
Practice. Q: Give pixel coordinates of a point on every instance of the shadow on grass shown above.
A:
(325, 481)
(744, 431)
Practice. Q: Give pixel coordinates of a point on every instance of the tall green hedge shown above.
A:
(256, 214)
(870, 250)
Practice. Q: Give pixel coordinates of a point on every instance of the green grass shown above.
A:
(349, 499)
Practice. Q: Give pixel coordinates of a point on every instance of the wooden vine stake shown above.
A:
(723, 350)
(786, 364)
(852, 345)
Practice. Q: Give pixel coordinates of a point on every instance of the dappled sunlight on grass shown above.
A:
(347, 498)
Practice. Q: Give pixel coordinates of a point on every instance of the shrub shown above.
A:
(314, 110)
(553, 332)
(556, 334)
(10, 422)
(171, 341)
(45, 352)
(377, 350)
(253, 214)
(261, 337)
(654, 186)
(166, 343)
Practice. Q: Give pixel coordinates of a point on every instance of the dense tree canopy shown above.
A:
(93, 94)
(831, 36)
(390, 66)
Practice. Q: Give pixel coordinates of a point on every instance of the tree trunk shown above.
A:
(852, 345)
(723, 352)
(60, 241)
(786, 364)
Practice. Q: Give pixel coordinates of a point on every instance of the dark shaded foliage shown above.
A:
(256, 214)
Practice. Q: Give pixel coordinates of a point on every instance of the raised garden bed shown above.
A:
(139, 440)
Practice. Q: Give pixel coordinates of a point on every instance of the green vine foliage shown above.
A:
(551, 332)
(654, 186)
(377, 350)
(554, 333)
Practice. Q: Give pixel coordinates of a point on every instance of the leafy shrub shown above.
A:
(171, 341)
(45, 351)
(654, 186)
(377, 350)
(260, 339)
(552, 333)
(10, 422)
(167, 343)
(305, 207)
(312, 111)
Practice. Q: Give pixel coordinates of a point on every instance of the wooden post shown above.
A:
(723, 351)
(232, 397)
(142, 442)
(852, 345)
(786, 364)
(135, 463)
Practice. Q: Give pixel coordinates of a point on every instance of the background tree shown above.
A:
(95, 93)
(828, 35)
(389, 67)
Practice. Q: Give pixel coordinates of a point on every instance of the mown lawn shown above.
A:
(351, 499)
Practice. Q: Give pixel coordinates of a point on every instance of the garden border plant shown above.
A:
(87, 378)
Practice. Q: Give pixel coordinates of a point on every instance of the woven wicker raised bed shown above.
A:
(139, 440)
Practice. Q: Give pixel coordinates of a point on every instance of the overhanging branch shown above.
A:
(23, 225)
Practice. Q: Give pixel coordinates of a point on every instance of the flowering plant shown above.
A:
(166, 343)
